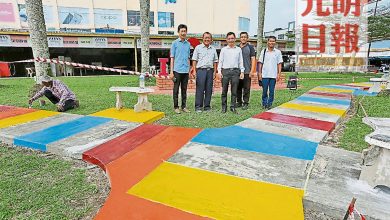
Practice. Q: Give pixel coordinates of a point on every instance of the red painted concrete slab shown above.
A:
(131, 168)
(115, 148)
(299, 121)
(10, 111)
(327, 94)
(356, 86)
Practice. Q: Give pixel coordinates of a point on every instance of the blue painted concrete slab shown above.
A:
(39, 139)
(341, 87)
(324, 100)
(361, 93)
(237, 137)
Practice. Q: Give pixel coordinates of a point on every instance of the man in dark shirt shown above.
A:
(249, 58)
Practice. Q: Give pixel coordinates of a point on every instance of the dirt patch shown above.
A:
(333, 138)
(95, 176)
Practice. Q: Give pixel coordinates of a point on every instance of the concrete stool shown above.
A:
(376, 162)
(377, 84)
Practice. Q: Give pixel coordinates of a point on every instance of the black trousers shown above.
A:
(232, 77)
(204, 88)
(180, 80)
(244, 90)
(69, 104)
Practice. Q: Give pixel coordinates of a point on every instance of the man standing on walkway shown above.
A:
(249, 58)
(231, 70)
(204, 66)
(180, 67)
(270, 69)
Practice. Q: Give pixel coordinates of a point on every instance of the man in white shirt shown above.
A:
(231, 70)
(204, 65)
(270, 69)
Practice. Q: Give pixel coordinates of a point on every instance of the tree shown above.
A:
(145, 32)
(38, 36)
(379, 22)
(260, 27)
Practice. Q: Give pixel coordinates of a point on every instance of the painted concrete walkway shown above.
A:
(256, 169)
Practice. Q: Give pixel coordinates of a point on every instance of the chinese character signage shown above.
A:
(331, 35)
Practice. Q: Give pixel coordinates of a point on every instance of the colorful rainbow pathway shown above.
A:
(256, 169)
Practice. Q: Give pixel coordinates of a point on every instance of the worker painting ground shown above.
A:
(256, 169)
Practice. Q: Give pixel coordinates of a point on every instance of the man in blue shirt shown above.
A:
(180, 67)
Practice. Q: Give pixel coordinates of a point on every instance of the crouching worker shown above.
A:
(58, 93)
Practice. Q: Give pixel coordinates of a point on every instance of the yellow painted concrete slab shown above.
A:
(311, 108)
(219, 196)
(130, 116)
(361, 84)
(332, 90)
(20, 119)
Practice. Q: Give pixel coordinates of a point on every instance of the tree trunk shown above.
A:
(145, 31)
(260, 27)
(38, 37)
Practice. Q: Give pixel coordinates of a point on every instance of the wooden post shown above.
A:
(135, 54)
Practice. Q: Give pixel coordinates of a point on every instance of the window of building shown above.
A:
(166, 19)
(243, 24)
(166, 32)
(280, 36)
(134, 18)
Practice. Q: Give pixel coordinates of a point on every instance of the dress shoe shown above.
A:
(245, 107)
(224, 110)
(233, 110)
(177, 111)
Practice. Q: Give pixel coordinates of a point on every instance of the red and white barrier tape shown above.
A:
(86, 66)
(352, 210)
(20, 61)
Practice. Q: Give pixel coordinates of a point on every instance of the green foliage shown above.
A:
(379, 27)
(35, 187)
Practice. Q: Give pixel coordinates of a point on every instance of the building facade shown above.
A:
(215, 16)
(108, 32)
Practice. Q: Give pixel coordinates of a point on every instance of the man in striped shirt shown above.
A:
(58, 93)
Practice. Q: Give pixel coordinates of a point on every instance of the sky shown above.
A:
(278, 14)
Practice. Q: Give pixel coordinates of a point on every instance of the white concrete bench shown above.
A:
(376, 163)
(142, 104)
(377, 82)
(386, 76)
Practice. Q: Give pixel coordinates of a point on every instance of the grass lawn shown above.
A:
(94, 96)
(32, 186)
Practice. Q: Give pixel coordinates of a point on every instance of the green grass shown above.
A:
(35, 187)
(356, 130)
(94, 96)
